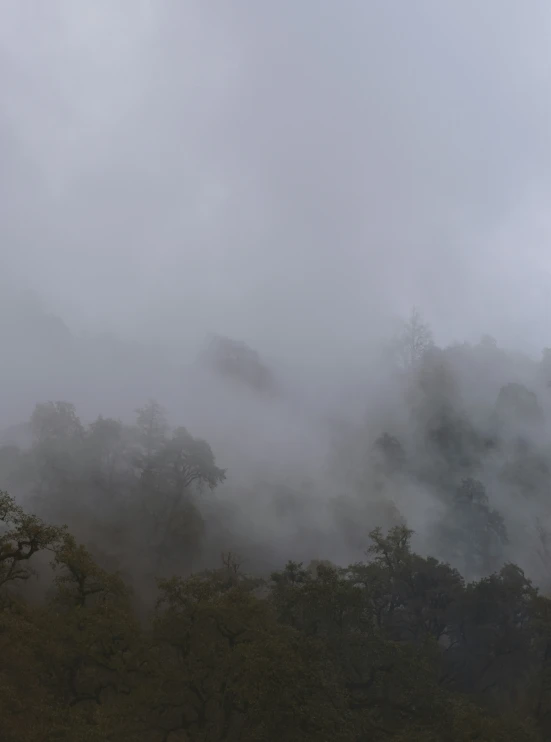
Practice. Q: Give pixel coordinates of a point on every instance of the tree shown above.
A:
(395, 648)
(540, 682)
(185, 461)
(107, 463)
(527, 469)
(472, 531)
(172, 468)
(98, 636)
(55, 421)
(391, 453)
(21, 537)
(491, 650)
(55, 459)
(517, 407)
(360, 615)
(411, 598)
(152, 428)
(231, 672)
(413, 341)
(237, 361)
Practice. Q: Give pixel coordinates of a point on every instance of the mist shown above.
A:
(297, 178)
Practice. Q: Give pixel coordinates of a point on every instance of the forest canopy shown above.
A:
(402, 594)
(392, 648)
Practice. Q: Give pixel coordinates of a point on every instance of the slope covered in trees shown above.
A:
(155, 586)
(397, 647)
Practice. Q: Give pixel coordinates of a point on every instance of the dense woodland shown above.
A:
(129, 611)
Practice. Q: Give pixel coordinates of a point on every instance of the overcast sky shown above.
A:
(290, 173)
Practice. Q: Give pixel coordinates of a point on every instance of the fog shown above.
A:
(296, 176)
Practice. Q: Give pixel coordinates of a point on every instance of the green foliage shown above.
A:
(136, 485)
(21, 536)
(394, 648)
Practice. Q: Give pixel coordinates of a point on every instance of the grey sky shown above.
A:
(289, 173)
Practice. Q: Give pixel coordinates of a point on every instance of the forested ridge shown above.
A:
(275, 371)
(397, 647)
(134, 608)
